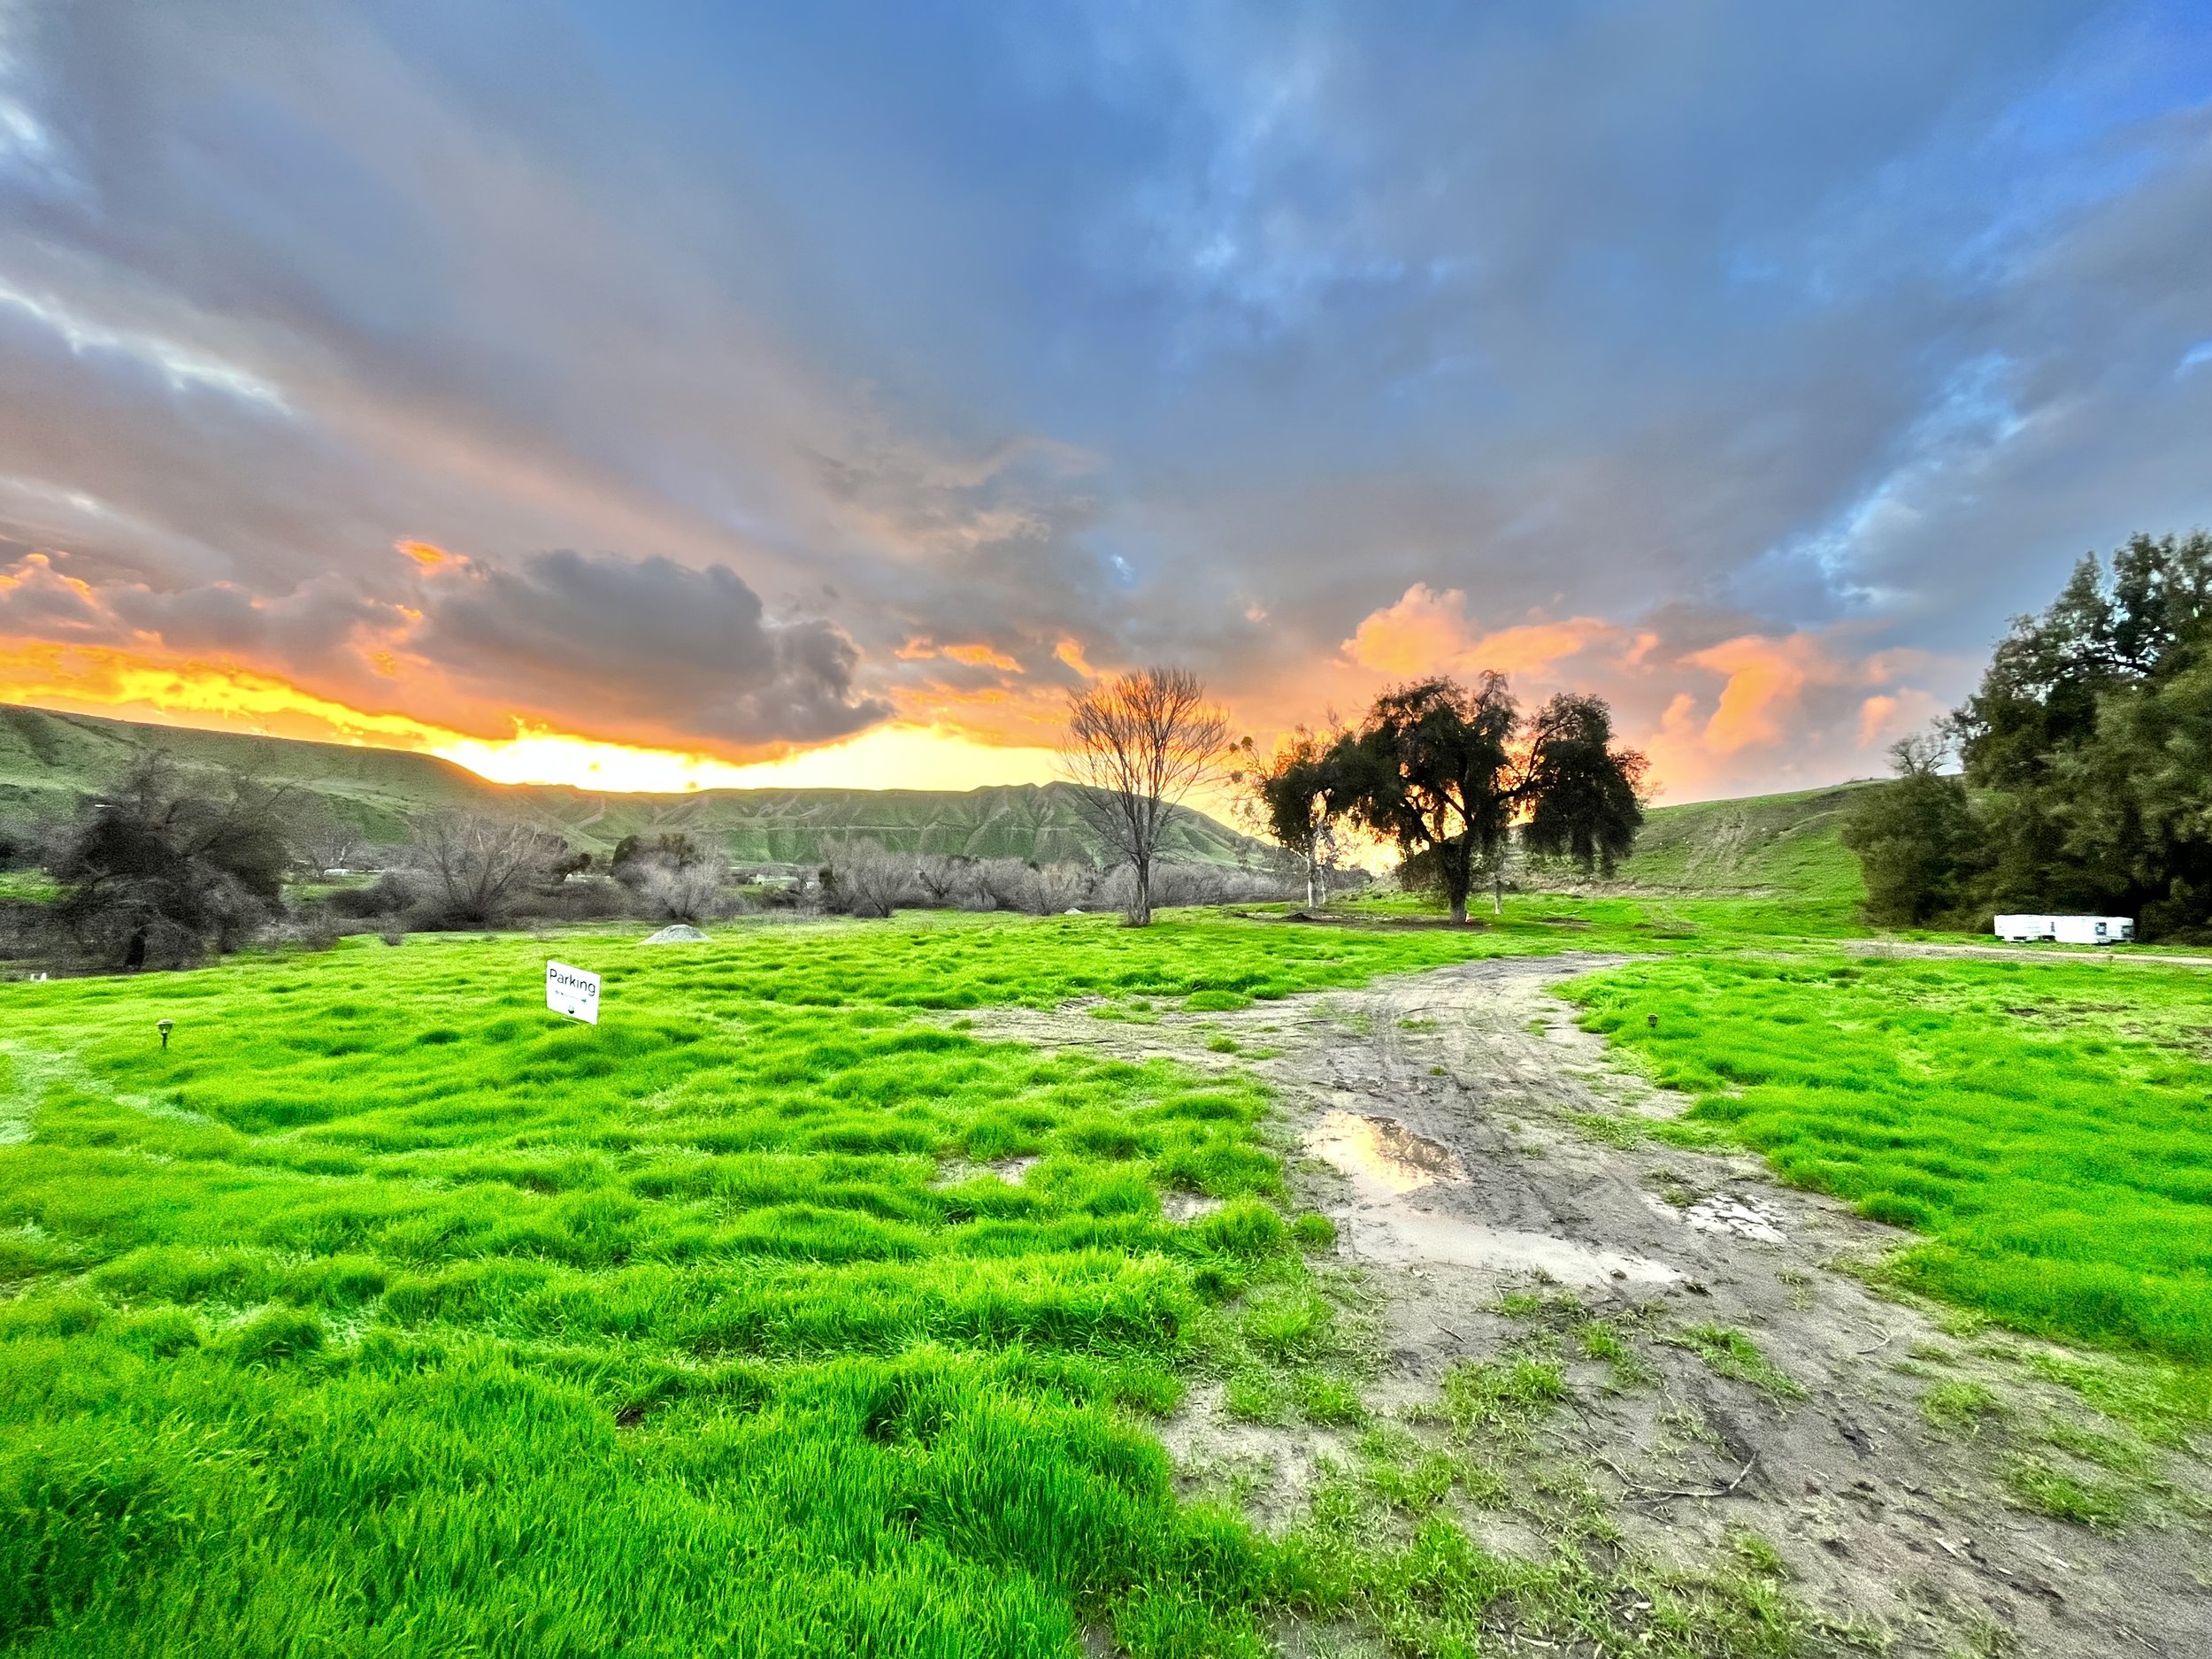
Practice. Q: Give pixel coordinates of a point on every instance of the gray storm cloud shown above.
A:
(643, 648)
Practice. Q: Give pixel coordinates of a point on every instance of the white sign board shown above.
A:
(572, 991)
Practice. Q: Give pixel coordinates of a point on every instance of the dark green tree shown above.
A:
(2085, 746)
(1444, 769)
(1296, 798)
(1914, 838)
(1583, 792)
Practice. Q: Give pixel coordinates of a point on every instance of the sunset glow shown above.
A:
(839, 446)
(889, 757)
(225, 697)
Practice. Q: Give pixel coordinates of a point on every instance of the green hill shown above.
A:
(48, 761)
(1769, 845)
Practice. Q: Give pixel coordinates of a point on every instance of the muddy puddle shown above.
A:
(1382, 1155)
(1387, 1164)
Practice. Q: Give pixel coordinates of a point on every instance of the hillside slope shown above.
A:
(48, 760)
(1771, 845)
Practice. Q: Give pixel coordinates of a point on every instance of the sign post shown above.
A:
(572, 991)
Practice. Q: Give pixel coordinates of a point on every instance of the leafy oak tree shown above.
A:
(1582, 792)
(1445, 770)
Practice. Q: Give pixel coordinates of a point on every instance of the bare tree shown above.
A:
(1011, 884)
(941, 879)
(1062, 888)
(672, 876)
(1135, 747)
(478, 869)
(860, 877)
(681, 892)
(321, 841)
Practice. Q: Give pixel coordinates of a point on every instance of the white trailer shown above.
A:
(2066, 930)
(2095, 930)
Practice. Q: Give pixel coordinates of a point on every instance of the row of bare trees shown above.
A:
(171, 864)
(861, 878)
(465, 870)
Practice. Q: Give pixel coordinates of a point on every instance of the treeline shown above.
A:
(168, 865)
(2078, 776)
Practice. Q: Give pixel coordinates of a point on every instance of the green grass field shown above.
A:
(386, 1313)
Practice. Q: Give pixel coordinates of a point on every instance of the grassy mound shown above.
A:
(1781, 846)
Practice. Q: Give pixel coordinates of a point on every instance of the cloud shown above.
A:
(1719, 709)
(629, 647)
(1425, 632)
(1765, 679)
(647, 652)
(38, 602)
(1788, 711)
(1706, 356)
(183, 367)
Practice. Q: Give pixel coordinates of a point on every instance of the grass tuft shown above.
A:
(1731, 1353)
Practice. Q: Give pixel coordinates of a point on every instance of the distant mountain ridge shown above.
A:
(49, 760)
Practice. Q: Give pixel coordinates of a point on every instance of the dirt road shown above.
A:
(1470, 1140)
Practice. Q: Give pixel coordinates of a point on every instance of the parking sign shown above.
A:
(572, 991)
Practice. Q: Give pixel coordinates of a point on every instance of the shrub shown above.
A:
(477, 871)
(169, 865)
(860, 878)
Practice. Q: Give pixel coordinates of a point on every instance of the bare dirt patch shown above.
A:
(1728, 1377)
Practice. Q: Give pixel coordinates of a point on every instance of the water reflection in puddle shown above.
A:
(1388, 1154)
(1387, 1162)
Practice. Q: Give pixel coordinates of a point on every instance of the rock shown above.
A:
(676, 934)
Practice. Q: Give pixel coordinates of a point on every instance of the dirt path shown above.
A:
(1469, 1141)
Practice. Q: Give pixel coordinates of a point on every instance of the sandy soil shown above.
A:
(1435, 1118)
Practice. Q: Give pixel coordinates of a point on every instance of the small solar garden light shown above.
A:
(165, 1026)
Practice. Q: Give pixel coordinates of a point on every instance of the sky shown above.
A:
(677, 395)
